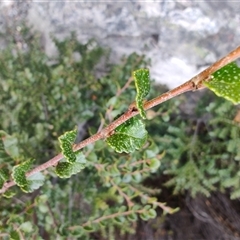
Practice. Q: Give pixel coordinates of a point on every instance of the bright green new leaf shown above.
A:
(142, 83)
(128, 136)
(67, 169)
(66, 141)
(226, 82)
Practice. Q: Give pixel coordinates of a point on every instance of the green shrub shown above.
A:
(43, 98)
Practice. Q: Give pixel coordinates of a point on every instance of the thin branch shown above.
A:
(161, 205)
(114, 215)
(193, 84)
(232, 56)
(125, 196)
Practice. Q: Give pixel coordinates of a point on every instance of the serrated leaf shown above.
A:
(226, 82)
(3, 176)
(9, 193)
(142, 83)
(66, 141)
(18, 173)
(66, 169)
(27, 184)
(129, 136)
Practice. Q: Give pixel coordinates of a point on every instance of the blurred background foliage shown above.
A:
(193, 146)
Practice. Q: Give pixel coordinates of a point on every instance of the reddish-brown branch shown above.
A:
(191, 85)
(232, 56)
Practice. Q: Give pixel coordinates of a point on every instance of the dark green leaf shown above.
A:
(129, 136)
(27, 184)
(142, 83)
(226, 82)
(3, 176)
(66, 141)
(89, 228)
(14, 235)
(18, 173)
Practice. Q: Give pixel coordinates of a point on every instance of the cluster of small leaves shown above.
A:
(201, 145)
(120, 198)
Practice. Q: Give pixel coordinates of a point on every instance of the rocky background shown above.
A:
(180, 38)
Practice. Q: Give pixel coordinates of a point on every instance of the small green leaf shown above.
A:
(144, 216)
(66, 169)
(127, 178)
(154, 164)
(128, 136)
(66, 141)
(132, 217)
(137, 177)
(26, 227)
(226, 82)
(78, 231)
(89, 228)
(152, 213)
(142, 83)
(14, 235)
